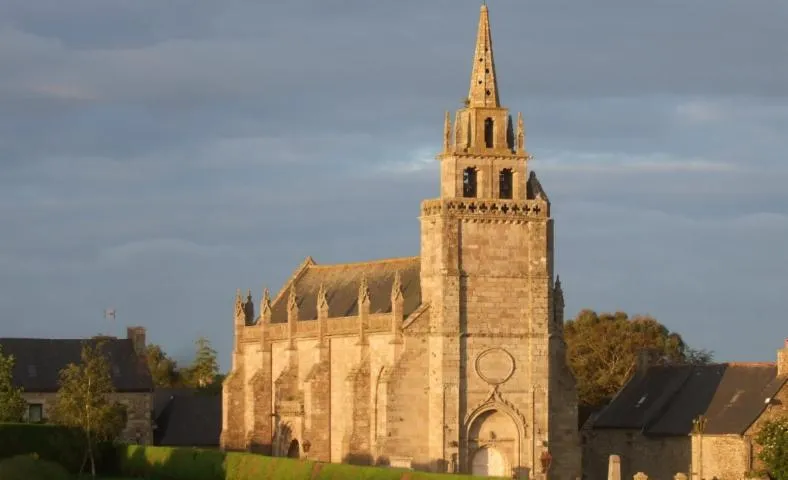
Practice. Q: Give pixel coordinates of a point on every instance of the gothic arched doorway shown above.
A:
(493, 443)
(294, 451)
(489, 462)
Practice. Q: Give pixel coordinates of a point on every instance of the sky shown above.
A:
(157, 156)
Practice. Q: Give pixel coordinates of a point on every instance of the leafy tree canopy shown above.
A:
(773, 439)
(163, 369)
(204, 372)
(84, 399)
(12, 404)
(602, 351)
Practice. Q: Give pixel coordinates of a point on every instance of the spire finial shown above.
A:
(265, 302)
(484, 86)
(396, 287)
(363, 290)
(322, 297)
(292, 300)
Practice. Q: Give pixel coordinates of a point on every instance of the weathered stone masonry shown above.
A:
(450, 361)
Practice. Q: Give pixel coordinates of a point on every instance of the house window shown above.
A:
(469, 182)
(505, 183)
(35, 412)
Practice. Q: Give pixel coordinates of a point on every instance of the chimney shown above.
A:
(137, 337)
(646, 357)
(782, 359)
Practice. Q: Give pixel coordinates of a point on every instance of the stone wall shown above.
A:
(658, 457)
(778, 407)
(726, 457)
(139, 428)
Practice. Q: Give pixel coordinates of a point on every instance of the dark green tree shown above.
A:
(163, 369)
(602, 351)
(84, 400)
(12, 404)
(773, 440)
(204, 372)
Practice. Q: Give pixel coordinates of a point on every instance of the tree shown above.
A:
(84, 400)
(602, 351)
(163, 369)
(205, 369)
(12, 404)
(773, 440)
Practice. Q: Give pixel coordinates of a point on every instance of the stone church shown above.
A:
(453, 360)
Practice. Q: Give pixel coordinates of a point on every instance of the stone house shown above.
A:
(38, 362)
(453, 360)
(700, 420)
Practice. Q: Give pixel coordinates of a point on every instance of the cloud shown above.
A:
(158, 248)
(699, 112)
(158, 155)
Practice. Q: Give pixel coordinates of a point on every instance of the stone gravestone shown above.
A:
(614, 468)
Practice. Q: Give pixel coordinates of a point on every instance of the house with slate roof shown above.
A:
(697, 419)
(39, 361)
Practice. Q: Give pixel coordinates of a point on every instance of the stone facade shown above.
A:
(138, 408)
(450, 361)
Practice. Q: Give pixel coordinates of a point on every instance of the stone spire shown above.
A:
(484, 86)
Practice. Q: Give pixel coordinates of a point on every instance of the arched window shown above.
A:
(489, 130)
(505, 183)
(469, 182)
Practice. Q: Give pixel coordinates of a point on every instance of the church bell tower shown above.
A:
(500, 394)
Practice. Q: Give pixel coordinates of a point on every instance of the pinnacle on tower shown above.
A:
(484, 86)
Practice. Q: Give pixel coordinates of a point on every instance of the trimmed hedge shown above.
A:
(165, 463)
(56, 443)
(30, 467)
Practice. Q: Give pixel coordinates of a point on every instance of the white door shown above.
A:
(489, 462)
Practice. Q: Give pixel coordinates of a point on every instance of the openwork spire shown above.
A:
(484, 86)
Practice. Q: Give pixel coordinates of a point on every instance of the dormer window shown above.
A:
(469, 182)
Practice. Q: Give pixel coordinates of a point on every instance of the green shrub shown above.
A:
(30, 467)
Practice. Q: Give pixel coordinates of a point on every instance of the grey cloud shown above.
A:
(156, 156)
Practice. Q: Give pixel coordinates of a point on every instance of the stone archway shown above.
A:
(494, 442)
(489, 462)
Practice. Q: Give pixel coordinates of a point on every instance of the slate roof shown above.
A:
(342, 283)
(187, 418)
(665, 399)
(38, 362)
